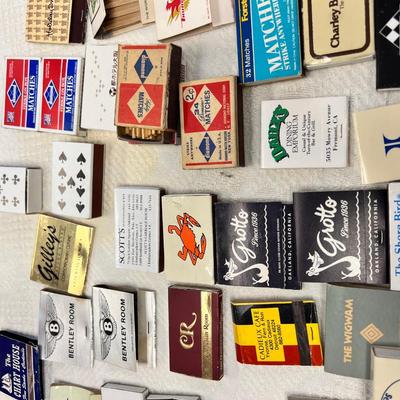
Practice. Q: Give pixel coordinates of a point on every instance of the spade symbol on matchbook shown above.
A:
(71, 183)
(80, 191)
(81, 159)
(62, 189)
(62, 173)
(81, 175)
(62, 204)
(62, 157)
(80, 207)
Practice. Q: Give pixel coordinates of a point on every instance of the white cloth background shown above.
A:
(207, 54)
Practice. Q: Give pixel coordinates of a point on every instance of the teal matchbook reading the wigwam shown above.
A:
(358, 317)
(268, 36)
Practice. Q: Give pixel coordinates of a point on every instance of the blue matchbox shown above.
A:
(19, 368)
(268, 36)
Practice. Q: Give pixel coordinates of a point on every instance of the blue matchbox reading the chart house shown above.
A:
(268, 37)
(19, 368)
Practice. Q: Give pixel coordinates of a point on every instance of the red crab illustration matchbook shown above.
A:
(188, 238)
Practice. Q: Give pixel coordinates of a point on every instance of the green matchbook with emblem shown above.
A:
(304, 133)
(357, 318)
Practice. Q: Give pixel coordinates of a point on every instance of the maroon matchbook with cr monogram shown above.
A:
(195, 332)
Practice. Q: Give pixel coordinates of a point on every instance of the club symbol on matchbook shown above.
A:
(4, 179)
(16, 180)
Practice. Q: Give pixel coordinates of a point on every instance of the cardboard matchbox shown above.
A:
(20, 190)
(148, 87)
(56, 21)
(211, 123)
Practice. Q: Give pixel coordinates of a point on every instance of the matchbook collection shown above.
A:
(138, 92)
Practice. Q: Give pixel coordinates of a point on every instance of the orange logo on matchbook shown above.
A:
(185, 232)
(177, 8)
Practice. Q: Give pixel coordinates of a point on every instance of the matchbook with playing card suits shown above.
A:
(20, 190)
(77, 179)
